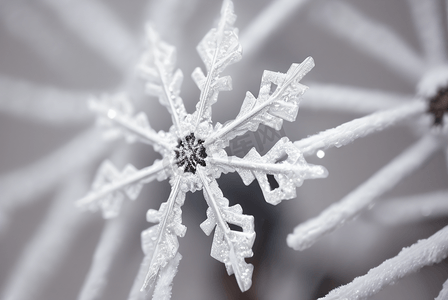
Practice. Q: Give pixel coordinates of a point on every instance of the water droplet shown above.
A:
(320, 154)
(111, 113)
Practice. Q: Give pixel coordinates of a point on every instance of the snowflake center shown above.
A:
(438, 105)
(190, 152)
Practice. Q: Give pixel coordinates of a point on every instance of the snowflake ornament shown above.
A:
(193, 151)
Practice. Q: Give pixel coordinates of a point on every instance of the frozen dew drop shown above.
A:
(320, 154)
(111, 114)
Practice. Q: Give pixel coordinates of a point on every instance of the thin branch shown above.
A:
(42, 103)
(412, 209)
(97, 25)
(115, 238)
(25, 185)
(267, 22)
(48, 248)
(357, 128)
(427, 18)
(371, 37)
(306, 234)
(443, 295)
(409, 260)
(350, 99)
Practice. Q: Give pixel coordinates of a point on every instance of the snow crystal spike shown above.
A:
(218, 49)
(194, 156)
(157, 66)
(268, 109)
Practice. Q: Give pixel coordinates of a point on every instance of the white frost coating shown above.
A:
(267, 22)
(218, 49)
(163, 287)
(270, 108)
(443, 295)
(159, 242)
(96, 24)
(116, 111)
(157, 68)
(44, 253)
(427, 18)
(289, 173)
(189, 150)
(411, 209)
(371, 37)
(48, 41)
(306, 234)
(229, 246)
(357, 128)
(42, 103)
(27, 184)
(110, 186)
(350, 99)
(411, 259)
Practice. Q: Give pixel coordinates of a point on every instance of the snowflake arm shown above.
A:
(306, 234)
(157, 67)
(110, 185)
(270, 108)
(218, 49)
(229, 246)
(411, 259)
(116, 112)
(289, 173)
(159, 242)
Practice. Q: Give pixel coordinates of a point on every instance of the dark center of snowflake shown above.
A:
(190, 152)
(438, 105)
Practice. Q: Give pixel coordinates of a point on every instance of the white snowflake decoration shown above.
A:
(193, 151)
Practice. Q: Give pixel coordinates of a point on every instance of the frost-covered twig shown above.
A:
(371, 37)
(25, 185)
(96, 24)
(348, 132)
(444, 292)
(42, 103)
(115, 237)
(267, 22)
(306, 234)
(350, 99)
(409, 260)
(427, 18)
(413, 208)
(50, 245)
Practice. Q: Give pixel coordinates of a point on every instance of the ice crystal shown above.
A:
(193, 151)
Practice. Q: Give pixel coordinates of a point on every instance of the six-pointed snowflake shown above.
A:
(193, 150)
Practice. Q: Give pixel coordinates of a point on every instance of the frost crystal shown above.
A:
(193, 151)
